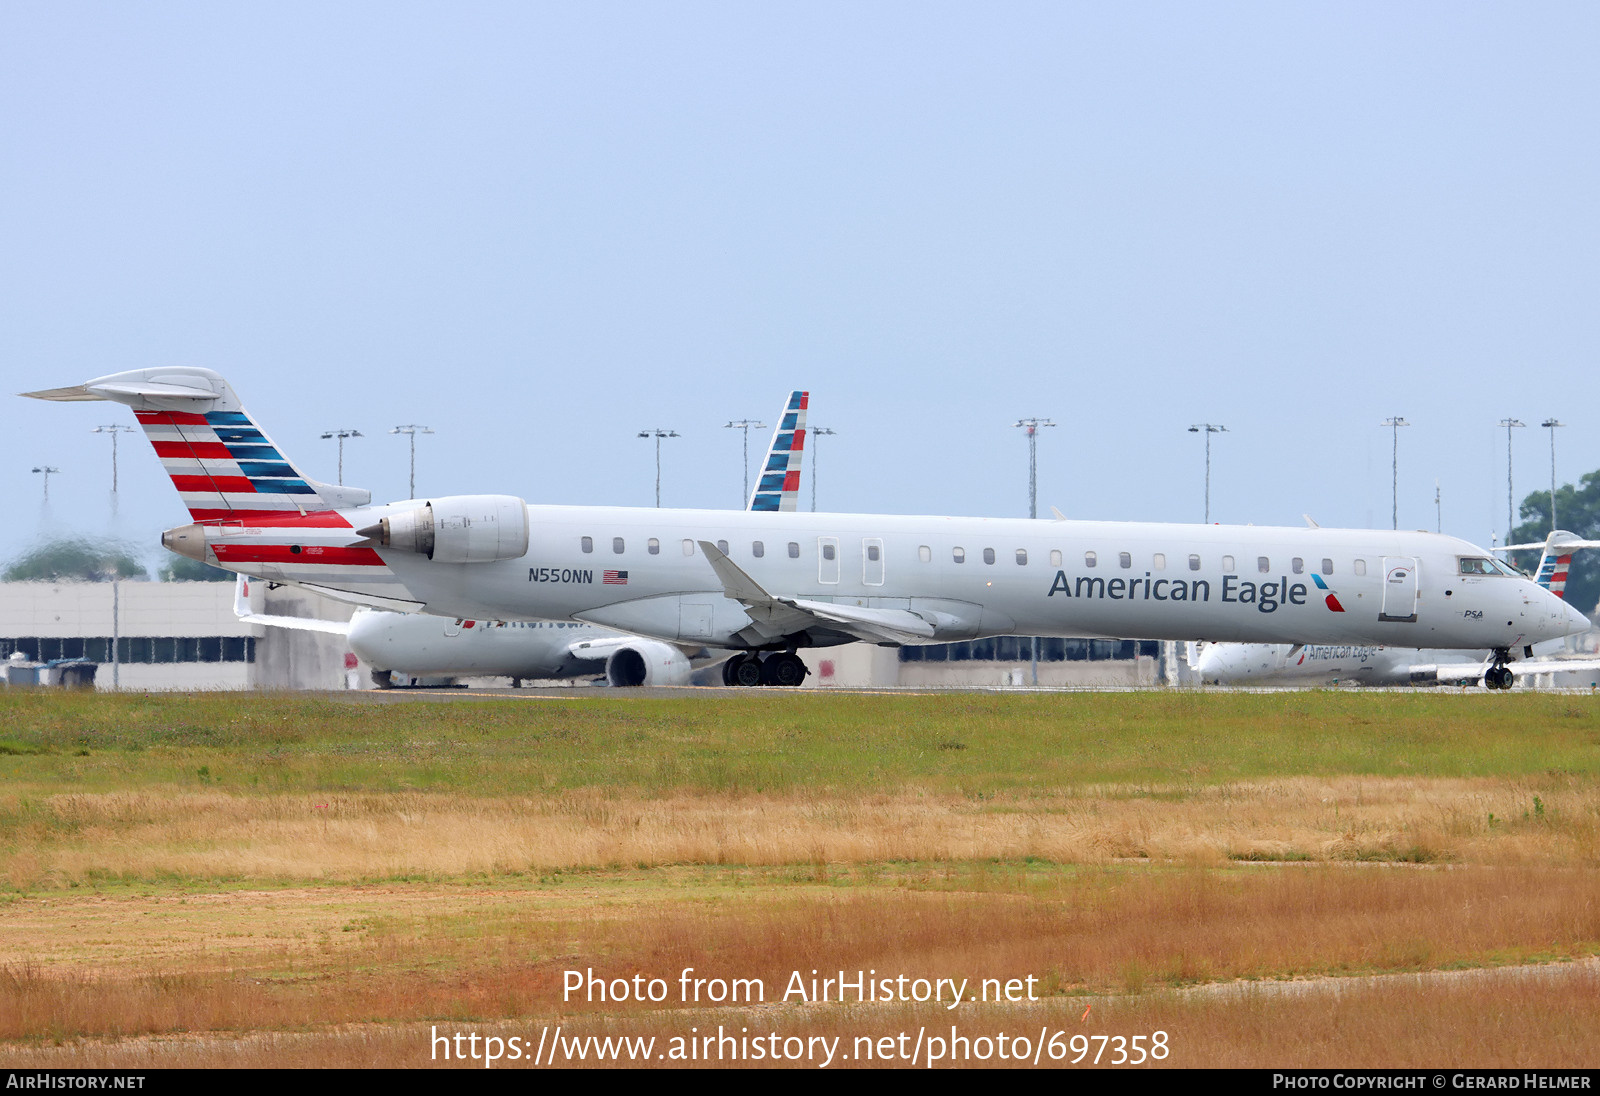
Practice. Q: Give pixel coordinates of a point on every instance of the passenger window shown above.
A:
(925, 554)
(794, 549)
(1022, 557)
(827, 551)
(1158, 562)
(653, 546)
(1124, 559)
(588, 544)
(1088, 559)
(1359, 567)
(988, 555)
(873, 552)
(1327, 566)
(1227, 564)
(1194, 563)
(1055, 557)
(958, 554)
(1263, 564)
(1297, 565)
(758, 549)
(722, 546)
(616, 545)
(688, 547)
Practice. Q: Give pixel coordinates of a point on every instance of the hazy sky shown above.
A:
(541, 228)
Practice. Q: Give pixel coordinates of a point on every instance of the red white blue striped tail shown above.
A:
(226, 468)
(778, 486)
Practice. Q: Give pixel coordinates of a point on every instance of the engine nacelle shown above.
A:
(459, 529)
(647, 662)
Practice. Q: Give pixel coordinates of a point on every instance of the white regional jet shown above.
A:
(1323, 664)
(402, 648)
(770, 583)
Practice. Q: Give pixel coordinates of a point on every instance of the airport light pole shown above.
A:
(48, 472)
(341, 435)
(113, 431)
(746, 425)
(1032, 427)
(1552, 424)
(1208, 428)
(1511, 523)
(1394, 423)
(658, 434)
(413, 430)
(813, 434)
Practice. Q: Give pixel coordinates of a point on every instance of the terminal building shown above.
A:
(172, 635)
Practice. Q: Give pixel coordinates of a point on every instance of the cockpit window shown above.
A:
(1506, 569)
(1475, 566)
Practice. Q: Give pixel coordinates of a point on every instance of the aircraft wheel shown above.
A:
(748, 671)
(785, 670)
(1500, 677)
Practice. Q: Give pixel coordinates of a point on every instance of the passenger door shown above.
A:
(1399, 589)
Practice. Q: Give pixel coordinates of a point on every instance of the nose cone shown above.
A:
(366, 634)
(1576, 622)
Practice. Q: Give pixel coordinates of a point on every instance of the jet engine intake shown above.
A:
(458, 529)
(647, 662)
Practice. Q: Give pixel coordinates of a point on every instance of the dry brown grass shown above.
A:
(79, 838)
(1508, 1019)
(99, 965)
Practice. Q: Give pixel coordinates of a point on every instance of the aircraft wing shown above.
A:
(780, 616)
(1554, 665)
(242, 610)
(1455, 673)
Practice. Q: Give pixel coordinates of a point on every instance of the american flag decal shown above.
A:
(615, 578)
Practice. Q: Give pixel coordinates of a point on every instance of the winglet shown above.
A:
(735, 583)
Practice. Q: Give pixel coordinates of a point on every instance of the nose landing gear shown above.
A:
(782, 668)
(1499, 676)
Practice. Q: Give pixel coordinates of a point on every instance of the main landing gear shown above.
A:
(1499, 676)
(782, 668)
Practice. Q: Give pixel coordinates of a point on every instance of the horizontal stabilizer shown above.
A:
(77, 393)
(141, 391)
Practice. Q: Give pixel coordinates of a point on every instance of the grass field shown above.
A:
(274, 879)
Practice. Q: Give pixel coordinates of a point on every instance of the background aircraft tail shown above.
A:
(1558, 548)
(778, 486)
(223, 465)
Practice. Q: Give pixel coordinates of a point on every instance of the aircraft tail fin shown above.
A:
(222, 464)
(778, 485)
